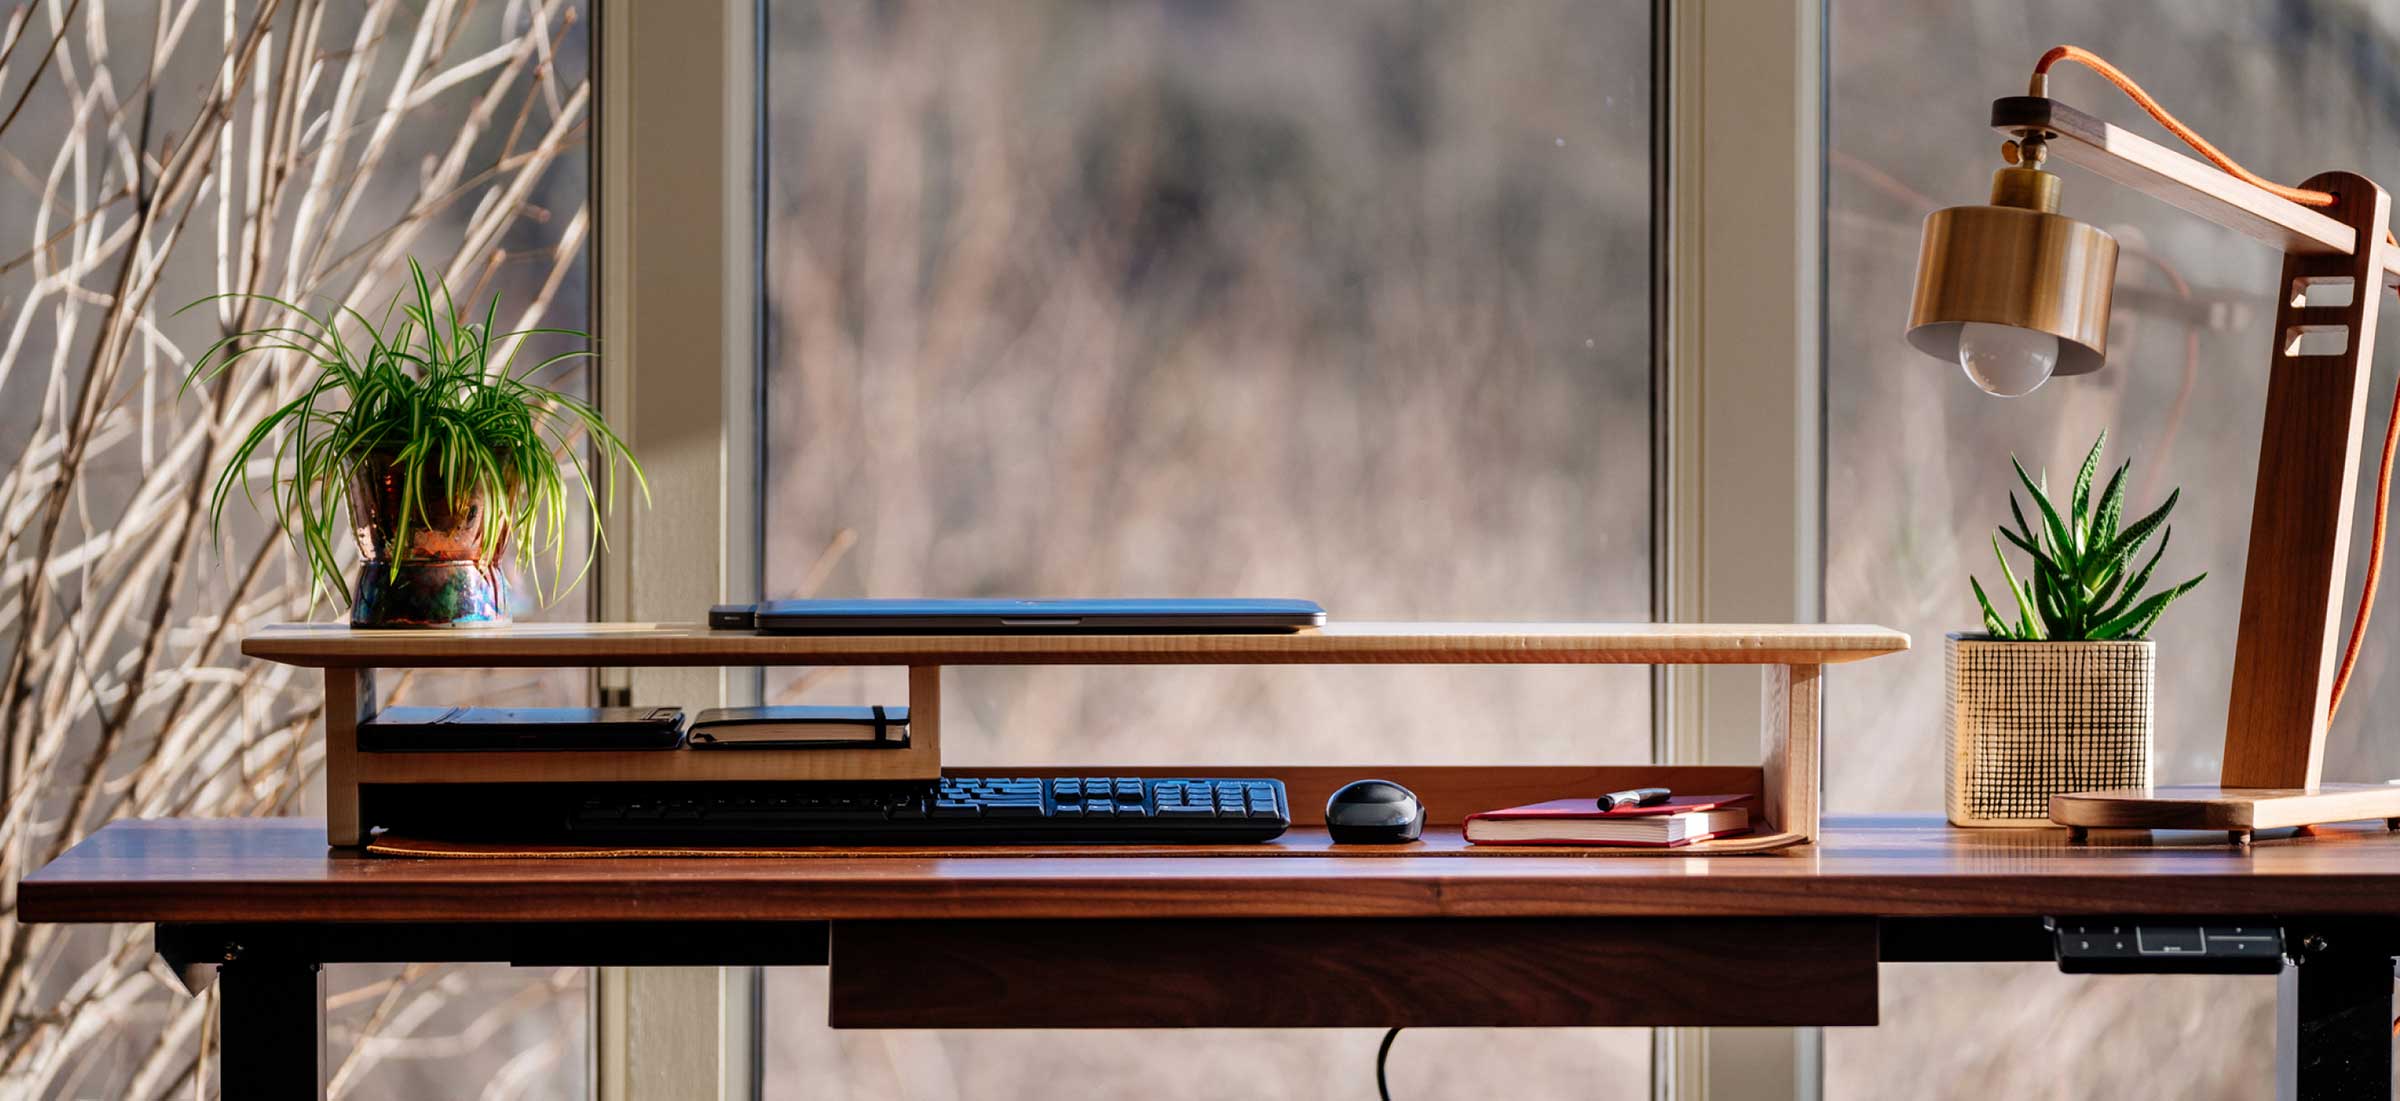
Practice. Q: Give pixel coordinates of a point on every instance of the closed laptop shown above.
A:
(1195, 616)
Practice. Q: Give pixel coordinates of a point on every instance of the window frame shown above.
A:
(679, 321)
(1737, 218)
(1740, 109)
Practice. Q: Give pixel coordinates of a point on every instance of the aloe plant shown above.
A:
(2080, 587)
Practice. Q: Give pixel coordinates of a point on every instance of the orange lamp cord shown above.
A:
(2366, 589)
(2305, 197)
(2191, 137)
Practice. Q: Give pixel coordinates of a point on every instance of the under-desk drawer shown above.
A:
(1307, 973)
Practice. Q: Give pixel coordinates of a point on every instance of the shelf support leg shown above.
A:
(349, 701)
(1789, 742)
(925, 715)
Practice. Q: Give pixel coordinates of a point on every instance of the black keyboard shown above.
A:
(950, 811)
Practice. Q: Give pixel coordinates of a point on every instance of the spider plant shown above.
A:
(423, 402)
(2080, 587)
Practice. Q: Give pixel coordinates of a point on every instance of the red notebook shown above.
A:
(1681, 820)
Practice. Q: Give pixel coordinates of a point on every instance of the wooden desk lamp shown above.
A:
(2015, 292)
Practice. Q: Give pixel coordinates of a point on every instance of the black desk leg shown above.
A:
(272, 1018)
(2333, 1027)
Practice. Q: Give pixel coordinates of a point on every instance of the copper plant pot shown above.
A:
(441, 575)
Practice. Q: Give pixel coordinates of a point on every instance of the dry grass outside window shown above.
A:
(152, 153)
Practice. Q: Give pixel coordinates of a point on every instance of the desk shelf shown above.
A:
(1785, 780)
(325, 645)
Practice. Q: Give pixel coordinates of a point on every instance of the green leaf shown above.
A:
(2112, 505)
(2028, 620)
(2112, 608)
(2023, 528)
(2080, 499)
(2138, 619)
(2050, 521)
(2105, 572)
(2058, 598)
(2132, 538)
(1991, 620)
(2022, 543)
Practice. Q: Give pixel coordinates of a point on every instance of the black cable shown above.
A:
(1383, 1088)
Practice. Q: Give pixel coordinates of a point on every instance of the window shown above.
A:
(1342, 300)
(1917, 458)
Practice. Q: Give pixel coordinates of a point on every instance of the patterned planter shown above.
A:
(2029, 720)
(444, 578)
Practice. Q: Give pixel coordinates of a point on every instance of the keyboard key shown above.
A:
(949, 809)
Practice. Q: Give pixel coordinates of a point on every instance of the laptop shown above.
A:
(985, 617)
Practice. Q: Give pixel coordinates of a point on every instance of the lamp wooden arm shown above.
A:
(2188, 182)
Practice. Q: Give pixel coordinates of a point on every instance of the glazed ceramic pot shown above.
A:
(441, 574)
(2029, 720)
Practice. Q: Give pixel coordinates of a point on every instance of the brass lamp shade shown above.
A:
(2007, 265)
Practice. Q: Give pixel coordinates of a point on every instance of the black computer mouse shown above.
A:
(1374, 812)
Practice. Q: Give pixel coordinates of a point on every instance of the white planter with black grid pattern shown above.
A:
(2029, 720)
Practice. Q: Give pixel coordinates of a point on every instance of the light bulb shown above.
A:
(2004, 359)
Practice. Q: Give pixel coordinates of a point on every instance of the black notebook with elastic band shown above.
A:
(801, 728)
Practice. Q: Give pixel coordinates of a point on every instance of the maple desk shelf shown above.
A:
(1785, 780)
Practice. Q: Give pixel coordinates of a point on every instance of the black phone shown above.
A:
(454, 729)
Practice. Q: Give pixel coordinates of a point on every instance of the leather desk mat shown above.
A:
(1440, 840)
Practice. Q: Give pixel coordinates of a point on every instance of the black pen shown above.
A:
(1638, 797)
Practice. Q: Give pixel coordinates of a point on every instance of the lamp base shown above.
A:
(2238, 811)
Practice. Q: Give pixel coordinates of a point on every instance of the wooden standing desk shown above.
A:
(1321, 940)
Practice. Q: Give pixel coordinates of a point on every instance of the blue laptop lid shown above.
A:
(1188, 614)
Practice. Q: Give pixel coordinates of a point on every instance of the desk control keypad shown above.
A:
(951, 811)
(2120, 946)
